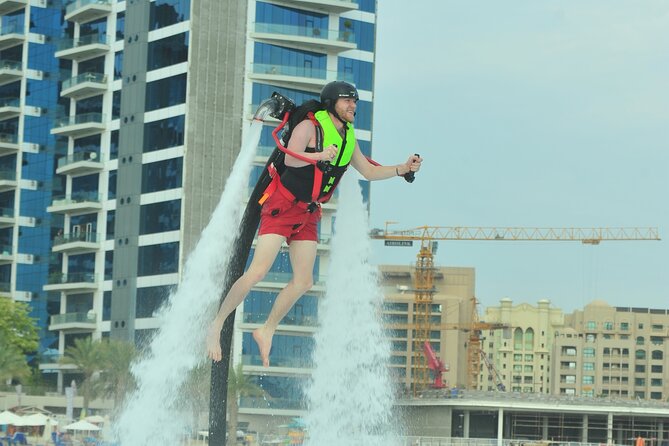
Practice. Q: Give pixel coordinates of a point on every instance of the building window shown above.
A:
(164, 134)
(624, 326)
(656, 369)
(639, 381)
(640, 354)
(162, 175)
(639, 368)
(640, 340)
(656, 382)
(164, 13)
(158, 259)
(588, 352)
(569, 351)
(166, 92)
(150, 299)
(589, 366)
(608, 325)
(171, 50)
(591, 325)
(657, 354)
(160, 217)
(655, 395)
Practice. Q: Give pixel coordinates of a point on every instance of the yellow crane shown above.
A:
(424, 274)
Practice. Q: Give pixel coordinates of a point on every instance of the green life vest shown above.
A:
(346, 148)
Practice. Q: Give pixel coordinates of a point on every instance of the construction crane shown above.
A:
(424, 274)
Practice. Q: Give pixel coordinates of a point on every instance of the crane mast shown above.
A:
(424, 288)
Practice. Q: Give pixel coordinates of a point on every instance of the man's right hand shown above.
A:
(214, 343)
(329, 153)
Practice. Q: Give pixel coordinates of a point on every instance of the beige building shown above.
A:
(452, 301)
(519, 357)
(613, 351)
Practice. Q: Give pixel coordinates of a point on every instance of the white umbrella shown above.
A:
(82, 425)
(96, 419)
(8, 417)
(36, 419)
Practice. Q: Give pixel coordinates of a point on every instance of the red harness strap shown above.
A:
(318, 174)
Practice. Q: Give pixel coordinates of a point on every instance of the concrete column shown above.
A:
(660, 433)
(500, 427)
(584, 429)
(465, 425)
(544, 428)
(609, 429)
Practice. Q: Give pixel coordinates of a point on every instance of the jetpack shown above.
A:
(278, 107)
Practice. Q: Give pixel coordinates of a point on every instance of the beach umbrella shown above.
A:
(95, 419)
(36, 419)
(82, 425)
(8, 417)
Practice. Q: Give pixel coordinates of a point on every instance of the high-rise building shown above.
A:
(119, 124)
(295, 47)
(120, 121)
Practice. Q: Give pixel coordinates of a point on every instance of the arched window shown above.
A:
(640, 340)
(607, 351)
(518, 339)
(529, 339)
(640, 354)
(657, 354)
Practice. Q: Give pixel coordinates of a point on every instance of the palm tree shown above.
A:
(117, 357)
(87, 356)
(12, 363)
(239, 385)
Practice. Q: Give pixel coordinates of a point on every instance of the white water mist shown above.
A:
(350, 398)
(149, 417)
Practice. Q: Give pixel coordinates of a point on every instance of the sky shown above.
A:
(534, 114)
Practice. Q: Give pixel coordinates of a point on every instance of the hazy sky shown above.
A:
(529, 113)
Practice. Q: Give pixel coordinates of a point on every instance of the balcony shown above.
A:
(290, 324)
(82, 11)
(7, 6)
(73, 321)
(73, 282)
(6, 254)
(77, 243)
(303, 78)
(305, 38)
(7, 179)
(85, 47)
(80, 125)
(9, 108)
(9, 144)
(76, 203)
(82, 163)
(335, 6)
(7, 217)
(11, 35)
(10, 71)
(84, 86)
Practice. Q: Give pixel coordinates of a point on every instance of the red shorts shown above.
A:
(283, 216)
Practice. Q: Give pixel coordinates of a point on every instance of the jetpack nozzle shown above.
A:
(284, 105)
(276, 106)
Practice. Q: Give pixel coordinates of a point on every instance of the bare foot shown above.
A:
(263, 338)
(214, 343)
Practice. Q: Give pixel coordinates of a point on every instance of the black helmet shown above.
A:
(335, 90)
